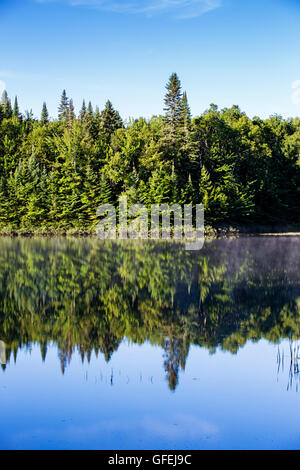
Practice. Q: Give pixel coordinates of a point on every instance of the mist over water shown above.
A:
(143, 344)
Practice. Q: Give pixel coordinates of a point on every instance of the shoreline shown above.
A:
(251, 231)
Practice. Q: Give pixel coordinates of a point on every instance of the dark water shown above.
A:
(147, 346)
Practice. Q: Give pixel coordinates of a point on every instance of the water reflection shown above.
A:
(292, 359)
(88, 296)
(2, 355)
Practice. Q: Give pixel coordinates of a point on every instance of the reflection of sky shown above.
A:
(222, 401)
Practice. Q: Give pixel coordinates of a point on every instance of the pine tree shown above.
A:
(29, 115)
(82, 112)
(89, 123)
(36, 213)
(70, 115)
(63, 107)
(187, 192)
(16, 111)
(28, 121)
(104, 192)
(173, 109)
(44, 114)
(28, 185)
(97, 118)
(188, 151)
(90, 109)
(110, 119)
(4, 202)
(213, 198)
(162, 186)
(94, 193)
(186, 114)
(88, 196)
(8, 110)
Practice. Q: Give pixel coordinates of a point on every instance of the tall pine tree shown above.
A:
(82, 112)
(186, 115)
(173, 120)
(16, 111)
(44, 114)
(110, 119)
(63, 107)
(70, 115)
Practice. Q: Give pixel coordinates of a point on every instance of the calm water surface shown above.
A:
(146, 346)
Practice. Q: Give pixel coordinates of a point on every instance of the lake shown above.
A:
(143, 345)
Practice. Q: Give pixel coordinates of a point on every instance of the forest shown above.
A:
(54, 173)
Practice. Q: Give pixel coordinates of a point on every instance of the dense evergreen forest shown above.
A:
(54, 173)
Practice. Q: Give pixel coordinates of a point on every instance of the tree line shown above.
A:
(54, 173)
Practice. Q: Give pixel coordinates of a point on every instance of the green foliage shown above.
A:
(55, 172)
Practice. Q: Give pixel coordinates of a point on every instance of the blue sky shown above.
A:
(224, 51)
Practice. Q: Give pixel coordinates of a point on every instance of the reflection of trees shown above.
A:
(87, 295)
(175, 354)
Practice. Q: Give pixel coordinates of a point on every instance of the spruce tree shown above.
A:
(95, 191)
(16, 111)
(8, 110)
(187, 192)
(186, 114)
(63, 107)
(90, 109)
(82, 112)
(188, 147)
(110, 119)
(213, 198)
(5, 207)
(35, 193)
(173, 109)
(70, 115)
(88, 195)
(104, 193)
(44, 115)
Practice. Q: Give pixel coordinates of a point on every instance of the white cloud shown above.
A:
(180, 9)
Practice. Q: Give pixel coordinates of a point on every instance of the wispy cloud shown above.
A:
(180, 9)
